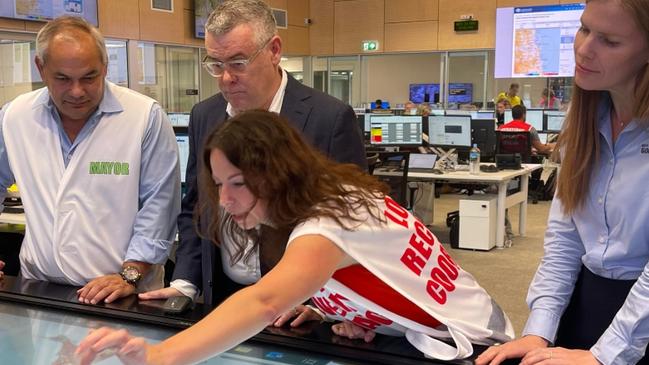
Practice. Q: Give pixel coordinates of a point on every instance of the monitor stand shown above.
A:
(446, 159)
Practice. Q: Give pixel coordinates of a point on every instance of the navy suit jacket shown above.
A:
(329, 124)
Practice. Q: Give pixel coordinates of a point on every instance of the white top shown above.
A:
(412, 268)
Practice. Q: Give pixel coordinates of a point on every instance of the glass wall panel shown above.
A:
(117, 62)
(294, 66)
(18, 72)
(466, 87)
(169, 74)
(320, 73)
(208, 85)
(388, 77)
(345, 80)
(340, 77)
(182, 68)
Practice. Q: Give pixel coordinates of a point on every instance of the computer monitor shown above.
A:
(179, 119)
(183, 150)
(395, 130)
(460, 92)
(483, 133)
(420, 93)
(554, 121)
(508, 116)
(459, 112)
(533, 117)
(484, 114)
(449, 131)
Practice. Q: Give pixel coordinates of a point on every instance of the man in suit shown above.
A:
(243, 54)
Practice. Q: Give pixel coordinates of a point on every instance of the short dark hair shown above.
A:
(518, 112)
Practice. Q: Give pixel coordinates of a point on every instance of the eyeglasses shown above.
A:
(238, 66)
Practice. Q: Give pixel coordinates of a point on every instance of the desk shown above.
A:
(501, 179)
(12, 218)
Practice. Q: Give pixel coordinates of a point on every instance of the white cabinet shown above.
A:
(478, 222)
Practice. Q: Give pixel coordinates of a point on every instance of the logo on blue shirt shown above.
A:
(644, 149)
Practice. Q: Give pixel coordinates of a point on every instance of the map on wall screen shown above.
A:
(543, 40)
(45, 10)
(536, 41)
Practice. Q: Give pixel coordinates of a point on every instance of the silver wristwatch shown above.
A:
(131, 275)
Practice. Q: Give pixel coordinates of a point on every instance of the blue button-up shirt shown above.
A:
(610, 236)
(155, 224)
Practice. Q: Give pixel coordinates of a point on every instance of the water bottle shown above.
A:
(474, 160)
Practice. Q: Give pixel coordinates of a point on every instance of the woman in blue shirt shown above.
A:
(590, 295)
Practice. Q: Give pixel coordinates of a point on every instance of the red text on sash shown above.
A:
(420, 250)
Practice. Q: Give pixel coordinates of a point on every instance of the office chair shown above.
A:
(514, 142)
(521, 143)
(372, 161)
(392, 169)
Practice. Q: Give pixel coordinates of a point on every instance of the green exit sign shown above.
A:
(466, 25)
(370, 46)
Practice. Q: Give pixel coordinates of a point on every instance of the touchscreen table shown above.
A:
(34, 335)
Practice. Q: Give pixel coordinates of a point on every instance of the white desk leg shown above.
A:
(431, 202)
(500, 215)
(522, 212)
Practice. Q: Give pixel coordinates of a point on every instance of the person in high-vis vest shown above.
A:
(97, 166)
(360, 255)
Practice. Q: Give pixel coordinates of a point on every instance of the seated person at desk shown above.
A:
(501, 106)
(519, 125)
(410, 108)
(348, 243)
(100, 181)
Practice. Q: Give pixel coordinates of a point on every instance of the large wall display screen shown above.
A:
(536, 41)
(48, 9)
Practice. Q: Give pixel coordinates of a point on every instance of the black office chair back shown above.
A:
(514, 142)
(372, 161)
(396, 176)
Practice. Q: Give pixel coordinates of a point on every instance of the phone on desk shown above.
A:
(173, 305)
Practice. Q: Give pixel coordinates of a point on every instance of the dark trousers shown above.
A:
(593, 305)
(10, 244)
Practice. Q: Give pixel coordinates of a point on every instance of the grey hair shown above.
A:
(65, 24)
(232, 13)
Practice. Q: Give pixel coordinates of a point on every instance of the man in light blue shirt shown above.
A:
(97, 168)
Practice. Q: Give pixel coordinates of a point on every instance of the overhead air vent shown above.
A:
(162, 5)
(281, 18)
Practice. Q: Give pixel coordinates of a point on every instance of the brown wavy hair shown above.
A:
(579, 138)
(296, 180)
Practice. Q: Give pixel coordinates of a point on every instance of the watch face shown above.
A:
(131, 274)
